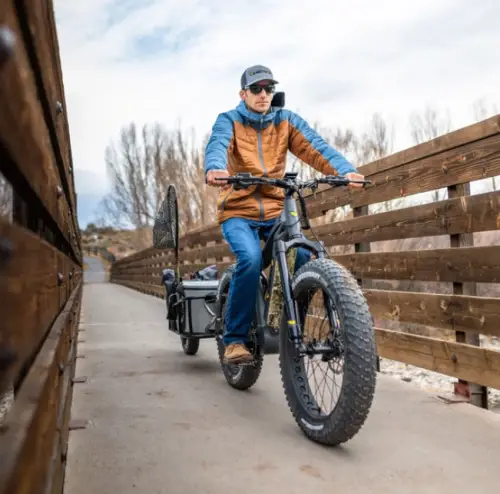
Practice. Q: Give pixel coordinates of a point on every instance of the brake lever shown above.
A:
(346, 182)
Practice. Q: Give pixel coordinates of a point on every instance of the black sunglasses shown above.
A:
(256, 89)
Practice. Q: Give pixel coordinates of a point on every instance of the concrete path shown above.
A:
(95, 271)
(163, 422)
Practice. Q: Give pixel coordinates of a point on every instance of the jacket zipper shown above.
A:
(261, 159)
(225, 199)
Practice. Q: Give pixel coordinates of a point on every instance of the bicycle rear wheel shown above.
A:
(345, 335)
(239, 376)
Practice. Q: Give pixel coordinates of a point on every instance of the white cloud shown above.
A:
(337, 61)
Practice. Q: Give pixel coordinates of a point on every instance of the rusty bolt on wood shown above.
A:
(7, 44)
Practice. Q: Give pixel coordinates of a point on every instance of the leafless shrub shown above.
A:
(142, 166)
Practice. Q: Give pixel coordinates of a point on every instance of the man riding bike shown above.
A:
(255, 138)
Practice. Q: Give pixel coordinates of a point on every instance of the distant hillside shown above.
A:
(120, 243)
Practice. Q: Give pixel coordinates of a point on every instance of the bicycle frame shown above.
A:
(287, 235)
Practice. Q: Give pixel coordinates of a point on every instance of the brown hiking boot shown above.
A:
(237, 353)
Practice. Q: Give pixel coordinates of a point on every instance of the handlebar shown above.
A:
(290, 181)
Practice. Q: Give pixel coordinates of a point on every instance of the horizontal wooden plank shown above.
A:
(467, 214)
(31, 291)
(37, 16)
(151, 261)
(473, 364)
(55, 476)
(451, 312)
(150, 279)
(218, 251)
(158, 257)
(30, 428)
(211, 233)
(24, 133)
(141, 287)
(473, 161)
(184, 269)
(459, 137)
(478, 264)
(148, 260)
(466, 264)
(40, 19)
(141, 256)
(187, 256)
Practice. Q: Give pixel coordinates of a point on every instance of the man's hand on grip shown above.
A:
(213, 174)
(355, 176)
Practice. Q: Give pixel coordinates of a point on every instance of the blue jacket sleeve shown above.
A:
(218, 144)
(310, 147)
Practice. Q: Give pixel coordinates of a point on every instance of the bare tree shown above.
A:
(344, 141)
(141, 168)
(482, 110)
(427, 126)
(377, 143)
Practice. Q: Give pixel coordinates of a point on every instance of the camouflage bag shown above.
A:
(277, 300)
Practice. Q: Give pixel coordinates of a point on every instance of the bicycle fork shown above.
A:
(291, 312)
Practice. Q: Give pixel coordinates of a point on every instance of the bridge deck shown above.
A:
(163, 422)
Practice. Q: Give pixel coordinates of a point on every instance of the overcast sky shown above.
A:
(338, 61)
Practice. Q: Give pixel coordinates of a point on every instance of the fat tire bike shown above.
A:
(343, 342)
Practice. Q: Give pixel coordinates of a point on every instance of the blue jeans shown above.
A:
(243, 237)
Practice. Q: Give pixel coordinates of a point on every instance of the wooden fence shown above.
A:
(451, 161)
(40, 253)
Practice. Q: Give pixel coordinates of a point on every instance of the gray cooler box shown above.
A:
(199, 313)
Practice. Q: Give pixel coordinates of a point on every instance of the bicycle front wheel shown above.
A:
(338, 336)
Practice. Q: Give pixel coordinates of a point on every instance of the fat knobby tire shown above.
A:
(247, 374)
(359, 372)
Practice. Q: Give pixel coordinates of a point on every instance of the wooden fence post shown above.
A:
(478, 394)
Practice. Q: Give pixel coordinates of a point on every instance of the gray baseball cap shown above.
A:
(255, 74)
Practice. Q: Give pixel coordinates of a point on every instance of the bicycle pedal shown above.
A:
(243, 364)
(247, 364)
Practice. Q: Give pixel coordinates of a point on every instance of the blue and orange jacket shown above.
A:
(245, 141)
